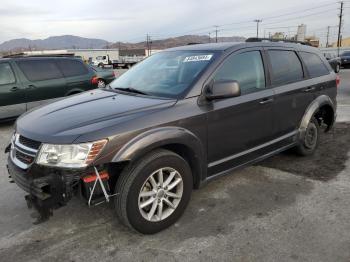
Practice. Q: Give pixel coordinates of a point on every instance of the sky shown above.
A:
(131, 20)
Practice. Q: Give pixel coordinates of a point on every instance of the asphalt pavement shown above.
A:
(286, 208)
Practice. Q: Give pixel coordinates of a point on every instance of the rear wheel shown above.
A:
(337, 68)
(101, 83)
(154, 192)
(311, 140)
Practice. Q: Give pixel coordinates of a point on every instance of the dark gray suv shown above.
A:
(173, 122)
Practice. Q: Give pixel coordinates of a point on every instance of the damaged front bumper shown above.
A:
(49, 189)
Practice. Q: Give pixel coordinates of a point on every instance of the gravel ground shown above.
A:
(286, 208)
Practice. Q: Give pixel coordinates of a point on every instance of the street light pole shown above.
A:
(257, 21)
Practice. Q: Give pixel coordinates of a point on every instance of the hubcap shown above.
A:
(161, 194)
(101, 84)
(311, 136)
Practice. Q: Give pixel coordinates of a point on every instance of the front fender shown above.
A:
(161, 137)
(312, 109)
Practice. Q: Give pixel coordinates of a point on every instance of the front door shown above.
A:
(12, 94)
(238, 127)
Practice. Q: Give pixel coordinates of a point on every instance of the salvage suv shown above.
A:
(170, 124)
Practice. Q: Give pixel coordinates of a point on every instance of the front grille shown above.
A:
(23, 151)
(29, 142)
(24, 158)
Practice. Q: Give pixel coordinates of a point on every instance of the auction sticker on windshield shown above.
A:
(196, 58)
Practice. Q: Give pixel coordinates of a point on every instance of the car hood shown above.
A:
(87, 113)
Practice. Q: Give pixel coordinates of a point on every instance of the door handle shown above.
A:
(309, 89)
(13, 89)
(266, 101)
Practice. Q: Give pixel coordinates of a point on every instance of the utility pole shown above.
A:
(216, 33)
(148, 44)
(327, 43)
(257, 21)
(340, 25)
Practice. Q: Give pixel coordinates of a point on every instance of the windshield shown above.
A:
(347, 53)
(166, 74)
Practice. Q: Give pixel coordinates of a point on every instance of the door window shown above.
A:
(70, 67)
(6, 74)
(38, 70)
(314, 64)
(286, 67)
(245, 68)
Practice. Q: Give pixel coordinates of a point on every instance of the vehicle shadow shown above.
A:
(218, 209)
(328, 161)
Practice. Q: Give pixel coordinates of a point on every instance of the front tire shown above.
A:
(154, 192)
(311, 140)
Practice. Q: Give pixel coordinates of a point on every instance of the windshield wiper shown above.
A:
(131, 90)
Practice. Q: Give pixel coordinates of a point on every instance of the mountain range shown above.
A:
(76, 42)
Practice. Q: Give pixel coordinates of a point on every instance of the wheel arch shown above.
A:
(74, 91)
(178, 140)
(323, 109)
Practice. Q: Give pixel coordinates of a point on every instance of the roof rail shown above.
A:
(23, 55)
(255, 39)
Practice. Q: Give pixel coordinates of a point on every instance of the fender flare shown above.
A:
(312, 109)
(162, 137)
(74, 91)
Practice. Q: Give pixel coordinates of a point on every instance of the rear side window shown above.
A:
(286, 67)
(71, 67)
(246, 68)
(39, 70)
(314, 64)
(6, 74)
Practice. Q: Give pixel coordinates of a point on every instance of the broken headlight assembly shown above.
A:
(70, 156)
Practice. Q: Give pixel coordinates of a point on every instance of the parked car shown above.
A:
(157, 133)
(334, 61)
(345, 58)
(105, 76)
(28, 82)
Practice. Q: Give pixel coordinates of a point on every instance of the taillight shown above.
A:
(337, 80)
(114, 74)
(94, 80)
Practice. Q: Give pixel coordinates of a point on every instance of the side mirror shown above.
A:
(223, 89)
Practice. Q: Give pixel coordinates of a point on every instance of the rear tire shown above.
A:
(140, 184)
(337, 68)
(311, 140)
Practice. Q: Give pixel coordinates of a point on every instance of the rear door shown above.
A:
(43, 81)
(316, 70)
(292, 93)
(12, 93)
(78, 76)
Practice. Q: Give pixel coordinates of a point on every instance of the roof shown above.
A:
(231, 45)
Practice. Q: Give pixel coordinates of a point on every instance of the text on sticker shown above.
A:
(196, 58)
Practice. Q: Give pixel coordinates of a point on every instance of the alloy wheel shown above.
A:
(161, 194)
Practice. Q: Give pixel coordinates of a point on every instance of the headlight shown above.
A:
(74, 156)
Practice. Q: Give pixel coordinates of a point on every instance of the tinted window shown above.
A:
(246, 68)
(6, 74)
(314, 64)
(346, 54)
(286, 67)
(71, 67)
(166, 74)
(38, 70)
